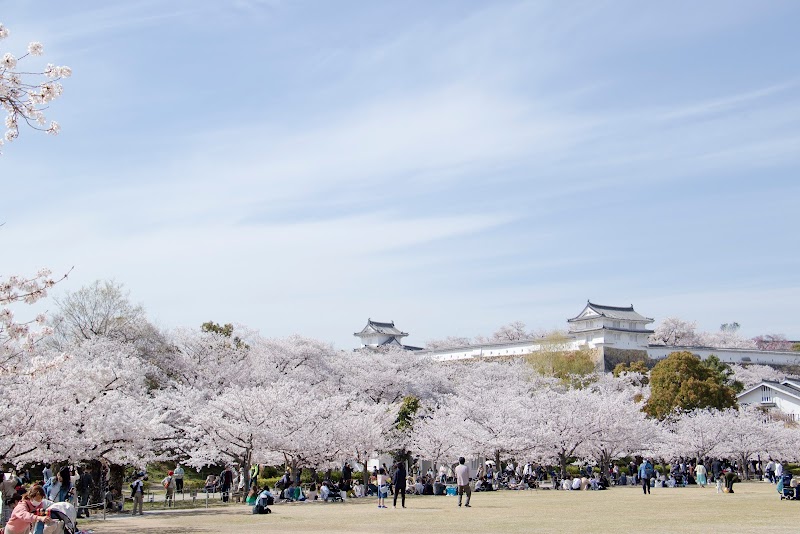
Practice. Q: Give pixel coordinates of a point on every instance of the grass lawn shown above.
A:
(755, 507)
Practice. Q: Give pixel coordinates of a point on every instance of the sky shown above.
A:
(301, 166)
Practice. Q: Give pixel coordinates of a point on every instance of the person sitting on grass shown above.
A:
(576, 483)
(324, 491)
(358, 490)
(252, 495)
(266, 496)
(312, 493)
(114, 500)
(287, 493)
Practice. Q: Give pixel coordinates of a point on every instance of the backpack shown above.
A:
(137, 487)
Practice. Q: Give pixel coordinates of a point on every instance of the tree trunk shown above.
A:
(296, 471)
(562, 461)
(314, 475)
(496, 465)
(116, 476)
(246, 459)
(745, 468)
(364, 473)
(95, 468)
(605, 462)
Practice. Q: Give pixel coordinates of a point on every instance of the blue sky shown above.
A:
(300, 166)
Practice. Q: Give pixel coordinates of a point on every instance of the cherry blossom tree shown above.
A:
(438, 434)
(726, 339)
(675, 332)
(749, 432)
(100, 309)
(700, 433)
(19, 337)
(448, 343)
(513, 331)
(25, 95)
(93, 405)
(563, 425)
(618, 426)
(751, 375)
(777, 342)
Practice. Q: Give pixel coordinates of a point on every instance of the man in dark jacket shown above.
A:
(84, 486)
(399, 483)
(347, 473)
(716, 468)
(225, 482)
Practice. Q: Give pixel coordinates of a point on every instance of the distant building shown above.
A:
(599, 325)
(781, 396)
(616, 334)
(376, 334)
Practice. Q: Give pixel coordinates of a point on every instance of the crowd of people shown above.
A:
(22, 494)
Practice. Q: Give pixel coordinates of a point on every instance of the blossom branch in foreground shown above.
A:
(25, 95)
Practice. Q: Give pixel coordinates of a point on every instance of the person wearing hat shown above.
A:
(169, 486)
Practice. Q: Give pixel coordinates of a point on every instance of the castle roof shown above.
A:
(592, 310)
(375, 327)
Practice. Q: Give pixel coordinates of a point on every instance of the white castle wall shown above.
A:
(731, 355)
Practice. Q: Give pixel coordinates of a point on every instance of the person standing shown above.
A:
(399, 482)
(645, 472)
(179, 472)
(771, 471)
(462, 480)
(65, 477)
(47, 473)
(700, 474)
(169, 487)
(240, 482)
(716, 468)
(383, 487)
(84, 486)
(8, 487)
(137, 493)
(778, 471)
(225, 482)
(347, 474)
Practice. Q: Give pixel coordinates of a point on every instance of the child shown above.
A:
(719, 484)
(383, 487)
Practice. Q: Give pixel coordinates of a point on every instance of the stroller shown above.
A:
(64, 512)
(785, 488)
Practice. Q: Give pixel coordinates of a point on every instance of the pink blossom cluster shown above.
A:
(23, 95)
(21, 336)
